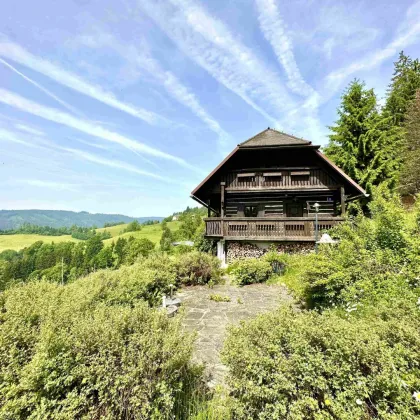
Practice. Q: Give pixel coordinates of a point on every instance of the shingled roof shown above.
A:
(270, 137)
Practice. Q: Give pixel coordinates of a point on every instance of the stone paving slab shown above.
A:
(210, 318)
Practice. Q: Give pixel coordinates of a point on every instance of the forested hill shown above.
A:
(12, 219)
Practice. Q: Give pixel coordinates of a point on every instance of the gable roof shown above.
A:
(275, 139)
(270, 137)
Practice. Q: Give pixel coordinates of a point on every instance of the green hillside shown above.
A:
(152, 232)
(12, 219)
(17, 242)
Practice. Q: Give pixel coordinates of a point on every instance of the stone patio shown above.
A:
(210, 318)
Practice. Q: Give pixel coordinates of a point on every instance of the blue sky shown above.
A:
(124, 106)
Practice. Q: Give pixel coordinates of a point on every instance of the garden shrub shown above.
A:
(196, 268)
(306, 365)
(251, 270)
(372, 256)
(90, 349)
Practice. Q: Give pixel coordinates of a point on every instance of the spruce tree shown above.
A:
(364, 143)
(402, 89)
(410, 173)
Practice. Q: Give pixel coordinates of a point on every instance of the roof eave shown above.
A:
(343, 174)
(214, 170)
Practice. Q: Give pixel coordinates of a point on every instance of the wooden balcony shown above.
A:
(268, 229)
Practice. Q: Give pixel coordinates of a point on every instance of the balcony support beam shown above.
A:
(343, 201)
(222, 199)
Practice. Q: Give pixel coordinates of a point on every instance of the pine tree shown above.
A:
(403, 87)
(364, 143)
(410, 173)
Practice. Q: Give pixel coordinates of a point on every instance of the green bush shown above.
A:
(219, 298)
(291, 365)
(376, 258)
(198, 268)
(251, 270)
(91, 349)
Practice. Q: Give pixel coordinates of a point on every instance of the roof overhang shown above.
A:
(342, 173)
(360, 191)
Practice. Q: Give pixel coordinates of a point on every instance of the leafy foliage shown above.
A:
(377, 258)
(198, 268)
(92, 349)
(166, 239)
(133, 226)
(311, 366)
(219, 298)
(251, 270)
(66, 261)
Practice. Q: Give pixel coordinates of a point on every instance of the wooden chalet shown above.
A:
(266, 188)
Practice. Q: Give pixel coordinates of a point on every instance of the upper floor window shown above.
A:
(300, 176)
(273, 178)
(248, 177)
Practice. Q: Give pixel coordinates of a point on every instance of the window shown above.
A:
(246, 178)
(251, 211)
(273, 179)
(300, 177)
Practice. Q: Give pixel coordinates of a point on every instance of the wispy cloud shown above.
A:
(210, 43)
(42, 143)
(16, 53)
(57, 186)
(407, 34)
(116, 164)
(143, 59)
(30, 130)
(42, 88)
(275, 31)
(84, 126)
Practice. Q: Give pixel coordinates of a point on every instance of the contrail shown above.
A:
(46, 91)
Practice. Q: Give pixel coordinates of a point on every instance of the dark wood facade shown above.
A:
(267, 187)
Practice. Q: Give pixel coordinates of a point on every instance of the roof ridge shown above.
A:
(253, 137)
(282, 140)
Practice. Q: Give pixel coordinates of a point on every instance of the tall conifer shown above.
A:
(402, 89)
(410, 174)
(363, 142)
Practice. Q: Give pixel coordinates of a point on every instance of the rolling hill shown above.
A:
(12, 219)
(20, 241)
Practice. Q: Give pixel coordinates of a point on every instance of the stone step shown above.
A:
(171, 310)
(173, 302)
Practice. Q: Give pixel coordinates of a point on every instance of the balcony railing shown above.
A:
(260, 228)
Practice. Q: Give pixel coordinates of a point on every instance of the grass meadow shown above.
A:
(20, 241)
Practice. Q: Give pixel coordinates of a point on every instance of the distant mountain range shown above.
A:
(12, 219)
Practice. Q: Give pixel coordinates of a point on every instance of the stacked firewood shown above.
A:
(241, 250)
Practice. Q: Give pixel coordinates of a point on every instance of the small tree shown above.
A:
(166, 240)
